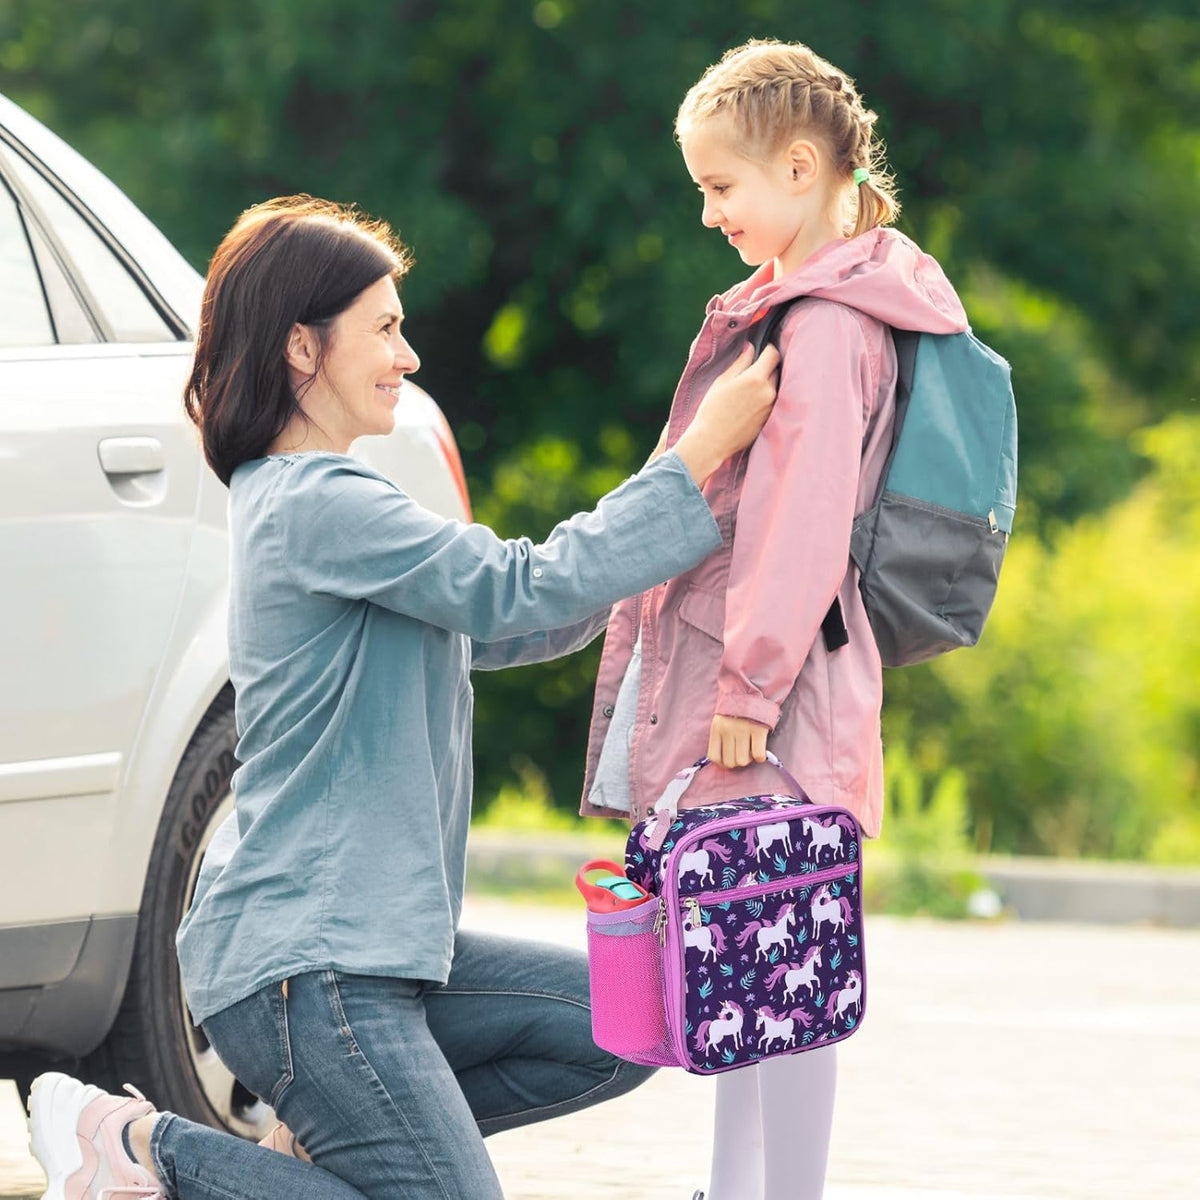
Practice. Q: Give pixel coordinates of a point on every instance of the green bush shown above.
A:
(1077, 719)
(920, 864)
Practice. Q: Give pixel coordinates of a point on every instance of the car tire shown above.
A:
(152, 1041)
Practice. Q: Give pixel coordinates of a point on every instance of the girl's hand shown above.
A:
(732, 412)
(735, 741)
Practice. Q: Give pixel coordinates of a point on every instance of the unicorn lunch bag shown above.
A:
(751, 941)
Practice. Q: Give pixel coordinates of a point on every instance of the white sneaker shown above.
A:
(75, 1131)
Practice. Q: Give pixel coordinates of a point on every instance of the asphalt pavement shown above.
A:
(997, 1061)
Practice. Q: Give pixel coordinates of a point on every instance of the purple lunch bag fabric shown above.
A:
(760, 924)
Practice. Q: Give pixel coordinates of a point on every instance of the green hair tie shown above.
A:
(861, 175)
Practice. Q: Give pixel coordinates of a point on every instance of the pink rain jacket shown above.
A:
(740, 633)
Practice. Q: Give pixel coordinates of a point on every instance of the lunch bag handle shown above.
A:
(666, 807)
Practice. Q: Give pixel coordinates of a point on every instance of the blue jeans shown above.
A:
(392, 1084)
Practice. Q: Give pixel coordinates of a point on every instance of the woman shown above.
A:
(322, 955)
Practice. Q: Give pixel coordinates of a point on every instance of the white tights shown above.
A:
(771, 1135)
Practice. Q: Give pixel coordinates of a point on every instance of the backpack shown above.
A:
(929, 549)
(749, 943)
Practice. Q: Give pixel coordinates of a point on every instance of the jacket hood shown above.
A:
(881, 273)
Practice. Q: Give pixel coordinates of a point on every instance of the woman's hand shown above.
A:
(735, 741)
(732, 412)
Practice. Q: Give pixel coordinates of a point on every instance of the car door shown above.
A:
(99, 476)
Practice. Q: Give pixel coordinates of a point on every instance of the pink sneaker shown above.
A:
(282, 1140)
(76, 1136)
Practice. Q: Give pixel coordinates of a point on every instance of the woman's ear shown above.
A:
(302, 350)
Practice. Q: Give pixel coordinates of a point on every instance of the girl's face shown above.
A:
(766, 210)
(366, 357)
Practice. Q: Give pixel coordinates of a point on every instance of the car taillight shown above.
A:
(449, 449)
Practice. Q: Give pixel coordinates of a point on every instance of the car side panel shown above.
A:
(94, 564)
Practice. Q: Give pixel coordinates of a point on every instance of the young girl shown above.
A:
(731, 656)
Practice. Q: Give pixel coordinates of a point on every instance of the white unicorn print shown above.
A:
(780, 1028)
(824, 837)
(728, 1023)
(825, 908)
(699, 861)
(797, 975)
(768, 935)
(760, 838)
(846, 997)
(708, 939)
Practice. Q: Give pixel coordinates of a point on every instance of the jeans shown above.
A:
(392, 1084)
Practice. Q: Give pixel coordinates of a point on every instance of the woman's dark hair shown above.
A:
(291, 260)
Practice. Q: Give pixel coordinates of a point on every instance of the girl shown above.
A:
(731, 654)
(322, 953)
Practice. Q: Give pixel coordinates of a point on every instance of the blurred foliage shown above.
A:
(921, 863)
(1049, 154)
(526, 806)
(1077, 718)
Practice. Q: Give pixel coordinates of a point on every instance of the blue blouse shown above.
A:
(355, 616)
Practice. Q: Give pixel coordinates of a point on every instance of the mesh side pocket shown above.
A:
(625, 972)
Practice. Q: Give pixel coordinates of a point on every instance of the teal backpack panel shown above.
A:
(958, 443)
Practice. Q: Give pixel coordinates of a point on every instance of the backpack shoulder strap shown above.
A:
(906, 342)
(765, 330)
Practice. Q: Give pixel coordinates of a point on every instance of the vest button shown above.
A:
(654, 718)
(608, 710)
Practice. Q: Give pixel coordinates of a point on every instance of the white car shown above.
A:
(116, 713)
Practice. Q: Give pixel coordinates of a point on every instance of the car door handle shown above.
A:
(136, 468)
(132, 456)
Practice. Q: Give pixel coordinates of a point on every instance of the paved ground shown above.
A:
(997, 1062)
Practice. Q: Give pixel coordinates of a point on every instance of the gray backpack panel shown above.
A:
(922, 603)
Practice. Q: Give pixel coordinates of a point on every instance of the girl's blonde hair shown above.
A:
(774, 92)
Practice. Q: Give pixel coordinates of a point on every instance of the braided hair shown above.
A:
(776, 91)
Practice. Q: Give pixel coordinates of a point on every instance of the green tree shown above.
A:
(1046, 152)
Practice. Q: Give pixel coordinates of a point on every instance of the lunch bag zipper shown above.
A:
(750, 891)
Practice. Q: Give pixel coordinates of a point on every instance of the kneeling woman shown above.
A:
(322, 953)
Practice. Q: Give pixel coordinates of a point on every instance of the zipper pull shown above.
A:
(660, 922)
(693, 907)
(991, 520)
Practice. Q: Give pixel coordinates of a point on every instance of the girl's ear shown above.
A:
(301, 349)
(804, 164)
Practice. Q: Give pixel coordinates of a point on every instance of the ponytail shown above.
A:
(877, 205)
